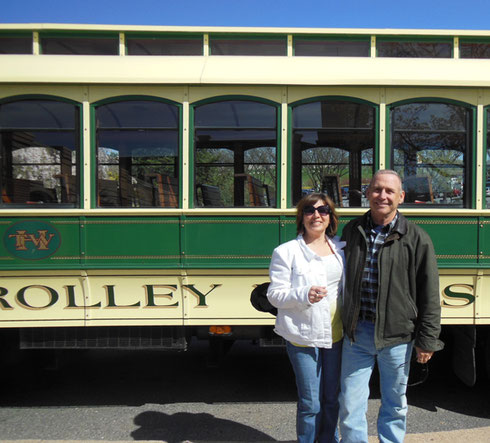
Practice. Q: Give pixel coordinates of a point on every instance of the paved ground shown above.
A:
(478, 435)
(177, 398)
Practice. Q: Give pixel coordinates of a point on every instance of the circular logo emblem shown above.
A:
(31, 240)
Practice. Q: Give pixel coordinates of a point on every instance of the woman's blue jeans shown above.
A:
(358, 359)
(317, 373)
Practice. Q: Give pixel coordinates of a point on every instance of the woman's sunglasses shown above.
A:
(322, 210)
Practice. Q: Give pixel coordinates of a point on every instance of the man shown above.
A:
(391, 302)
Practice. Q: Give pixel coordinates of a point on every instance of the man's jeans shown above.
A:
(358, 359)
(317, 373)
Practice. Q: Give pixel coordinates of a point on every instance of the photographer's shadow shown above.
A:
(185, 426)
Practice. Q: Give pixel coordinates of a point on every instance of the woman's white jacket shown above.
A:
(293, 270)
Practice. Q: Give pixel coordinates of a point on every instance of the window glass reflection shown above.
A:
(137, 113)
(235, 154)
(431, 148)
(80, 45)
(137, 154)
(39, 145)
(15, 44)
(417, 49)
(247, 46)
(164, 45)
(333, 149)
(235, 114)
(331, 48)
(474, 49)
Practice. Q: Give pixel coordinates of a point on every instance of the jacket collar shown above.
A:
(400, 226)
(334, 242)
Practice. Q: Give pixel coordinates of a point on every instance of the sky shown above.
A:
(396, 14)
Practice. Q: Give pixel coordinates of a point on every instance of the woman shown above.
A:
(306, 285)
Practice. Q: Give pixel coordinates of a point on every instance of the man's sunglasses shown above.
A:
(322, 210)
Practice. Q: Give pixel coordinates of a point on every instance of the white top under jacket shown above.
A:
(293, 270)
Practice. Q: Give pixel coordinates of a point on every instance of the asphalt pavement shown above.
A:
(478, 435)
(148, 397)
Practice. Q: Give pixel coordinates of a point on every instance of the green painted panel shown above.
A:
(132, 242)
(342, 222)
(40, 243)
(484, 245)
(288, 229)
(197, 242)
(69, 251)
(231, 241)
(455, 239)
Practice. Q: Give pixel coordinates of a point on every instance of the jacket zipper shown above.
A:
(357, 307)
(390, 238)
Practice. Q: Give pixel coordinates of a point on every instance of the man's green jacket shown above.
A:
(408, 306)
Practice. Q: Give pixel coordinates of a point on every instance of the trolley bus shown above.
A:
(147, 173)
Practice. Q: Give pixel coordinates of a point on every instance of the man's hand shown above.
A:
(423, 356)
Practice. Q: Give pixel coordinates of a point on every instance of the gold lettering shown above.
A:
(20, 240)
(41, 242)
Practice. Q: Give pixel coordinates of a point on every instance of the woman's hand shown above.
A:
(316, 293)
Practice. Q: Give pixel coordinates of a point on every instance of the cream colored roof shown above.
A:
(251, 70)
(253, 30)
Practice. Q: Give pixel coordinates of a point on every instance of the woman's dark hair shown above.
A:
(310, 200)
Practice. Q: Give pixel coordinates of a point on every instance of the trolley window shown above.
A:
(165, 45)
(75, 45)
(414, 48)
(235, 151)
(248, 45)
(333, 147)
(39, 153)
(431, 151)
(474, 49)
(321, 47)
(137, 154)
(15, 44)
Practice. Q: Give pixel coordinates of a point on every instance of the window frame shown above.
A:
(469, 201)
(415, 39)
(80, 35)
(481, 40)
(192, 147)
(246, 37)
(93, 143)
(347, 99)
(18, 34)
(79, 153)
(166, 36)
(332, 38)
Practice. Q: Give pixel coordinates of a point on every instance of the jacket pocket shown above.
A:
(296, 323)
(400, 317)
(413, 308)
(300, 269)
(300, 275)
